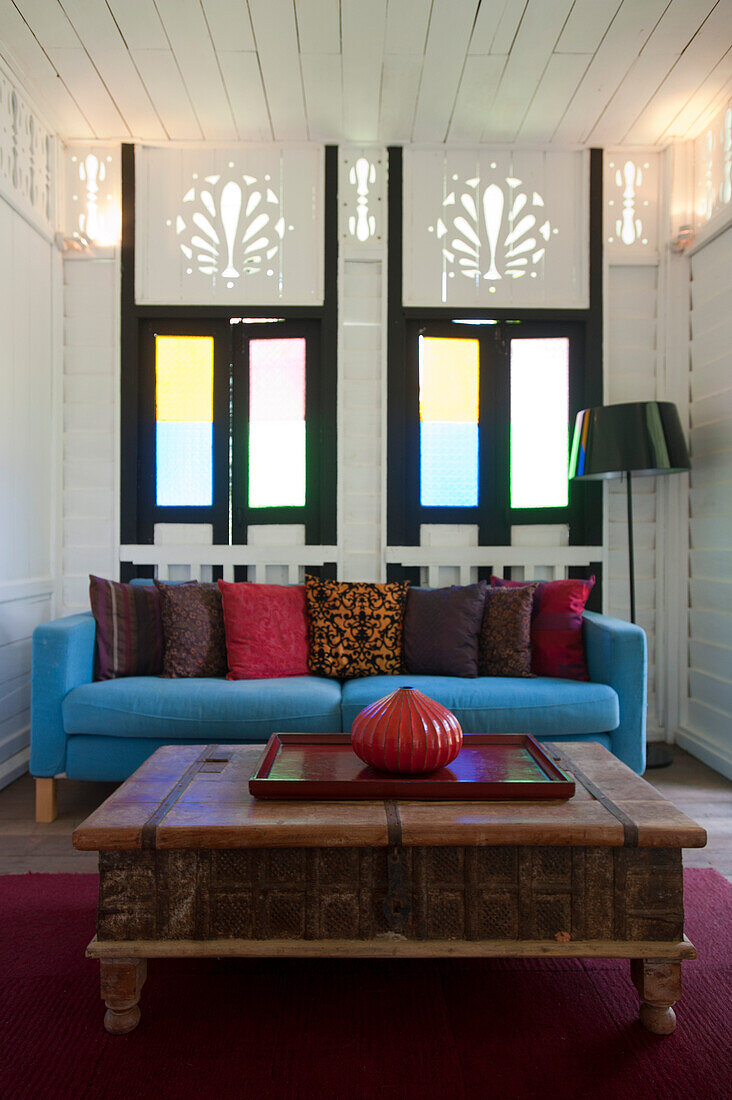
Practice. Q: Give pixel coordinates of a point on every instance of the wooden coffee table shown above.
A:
(191, 865)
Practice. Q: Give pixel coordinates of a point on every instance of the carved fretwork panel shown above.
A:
(228, 226)
(495, 227)
(631, 193)
(525, 893)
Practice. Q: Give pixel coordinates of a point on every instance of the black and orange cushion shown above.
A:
(504, 643)
(355, 627)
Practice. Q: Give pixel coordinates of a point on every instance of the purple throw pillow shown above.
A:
(504, 648)
(193, 629)
(441, 628)
(129, 638)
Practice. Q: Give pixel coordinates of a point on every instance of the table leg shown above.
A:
(122, 981)
(658, 982)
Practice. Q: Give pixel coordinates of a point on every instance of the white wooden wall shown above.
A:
(89, 535)
(707, 724)
(27, 463)
(29, 337)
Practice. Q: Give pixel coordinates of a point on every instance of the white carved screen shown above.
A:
(93, 193)
(631, 205)
(362, 196)
(713, 168)
(240, 225)
(27, 157)
(496, 228)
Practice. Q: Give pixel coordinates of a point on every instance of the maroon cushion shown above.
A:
(193, 630)
(441, 628)
(129, 638)
(504, 646)
(556, 626)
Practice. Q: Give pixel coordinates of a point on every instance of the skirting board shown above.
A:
(709, 752)
(15, 766)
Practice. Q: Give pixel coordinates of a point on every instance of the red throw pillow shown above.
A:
(556, 626)
(266, 628)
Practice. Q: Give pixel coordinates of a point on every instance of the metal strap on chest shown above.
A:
(630, 829)
(397, 904)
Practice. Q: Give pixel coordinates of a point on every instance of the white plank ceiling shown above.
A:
(565, 72)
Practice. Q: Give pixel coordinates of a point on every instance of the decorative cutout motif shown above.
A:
(713, 167)
(26, 152)
(231, 227)
(93, 194)
(362, 225)
(629, 227)
(631, 197)
(362, 191)
(494, 232)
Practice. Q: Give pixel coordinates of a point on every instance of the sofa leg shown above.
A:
(46, 800)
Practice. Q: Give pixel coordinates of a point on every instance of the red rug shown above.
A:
(356, 1029)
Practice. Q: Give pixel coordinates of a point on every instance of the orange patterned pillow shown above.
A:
(355, 627)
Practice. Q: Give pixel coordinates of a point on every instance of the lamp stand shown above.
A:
(656, 755)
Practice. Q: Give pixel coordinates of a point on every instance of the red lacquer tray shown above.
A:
(499, 766)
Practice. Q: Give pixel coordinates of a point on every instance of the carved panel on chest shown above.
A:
(472, 893)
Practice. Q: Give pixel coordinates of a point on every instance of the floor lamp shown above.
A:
(640, 438)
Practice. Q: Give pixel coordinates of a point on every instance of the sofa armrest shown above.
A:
(63, 658)
(616, 655)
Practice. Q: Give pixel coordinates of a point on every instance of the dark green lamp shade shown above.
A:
(643, 437)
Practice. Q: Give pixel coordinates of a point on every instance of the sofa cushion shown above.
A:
(441, 628)
(266, 630)
(203, 709)
(129, 637)
(545, 706)
(193, 630)
(504, 645)
(355, 627)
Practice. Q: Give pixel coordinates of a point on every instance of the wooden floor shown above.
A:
(24, 846)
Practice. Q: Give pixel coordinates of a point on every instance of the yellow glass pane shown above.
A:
(448, 380)
(184, 378)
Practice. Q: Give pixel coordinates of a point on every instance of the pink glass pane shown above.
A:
(277, 379)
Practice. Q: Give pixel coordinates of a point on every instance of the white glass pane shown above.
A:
(539, 422)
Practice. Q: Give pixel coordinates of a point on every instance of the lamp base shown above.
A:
(657, 756)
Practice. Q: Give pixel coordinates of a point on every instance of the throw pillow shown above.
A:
(266, 630)
(504, 646)
(355, 627)
(129, 636)
(193, 629)
(441, 628)
(556, 626)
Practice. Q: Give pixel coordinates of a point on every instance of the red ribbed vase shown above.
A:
(406, 732)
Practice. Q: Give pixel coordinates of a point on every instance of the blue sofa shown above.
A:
(105, 730)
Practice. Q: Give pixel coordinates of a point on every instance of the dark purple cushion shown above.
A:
(441, 629)
(129, 638)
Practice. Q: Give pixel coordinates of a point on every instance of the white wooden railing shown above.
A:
(537, 562)
(287, 564)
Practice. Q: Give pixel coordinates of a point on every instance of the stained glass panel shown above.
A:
(448, 409)
(277, 423)
(539, 422)
(184, 420)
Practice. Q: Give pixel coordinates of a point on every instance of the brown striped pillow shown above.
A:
(129, 629)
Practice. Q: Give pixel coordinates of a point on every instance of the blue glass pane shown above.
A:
(449, 464)
(184, 463)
